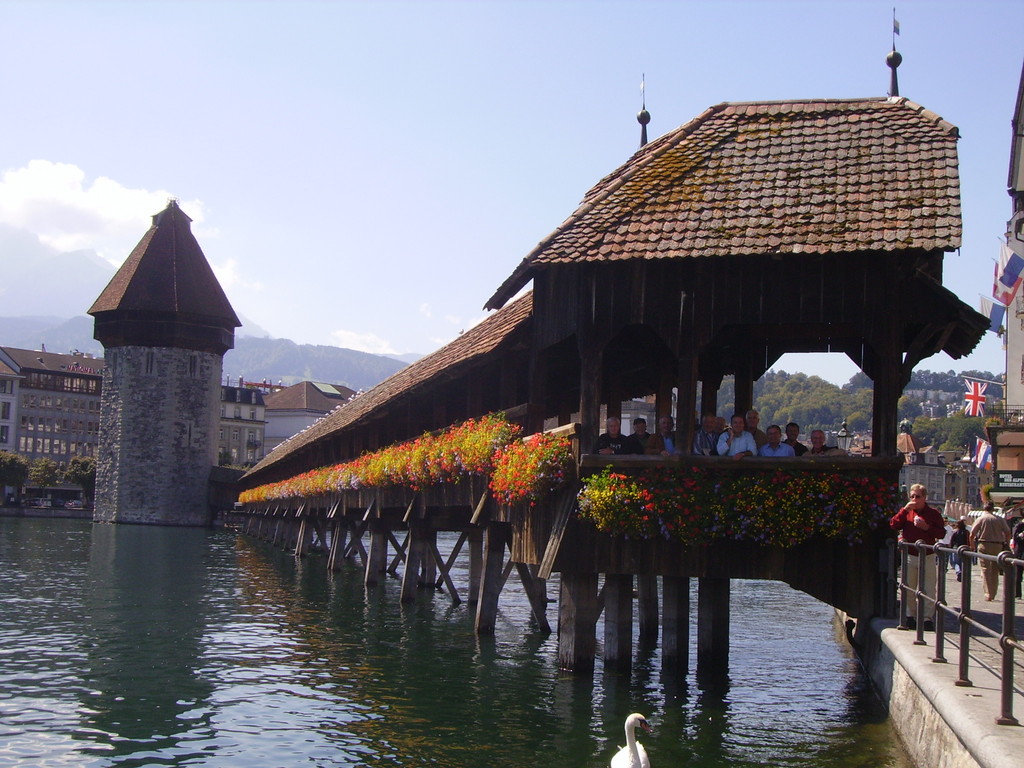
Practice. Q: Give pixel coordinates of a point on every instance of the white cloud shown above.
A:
(230, 276)
(363, 342)
(64, 210)
(425, 310)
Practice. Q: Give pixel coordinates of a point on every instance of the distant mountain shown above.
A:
(68, 281)
(282, 360)
(408, 358)
(253, 358)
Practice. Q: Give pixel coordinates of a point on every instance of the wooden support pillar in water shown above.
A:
(712, 627)
(675, 622)
(577, 622)
(418, 552)
(303, 536)
(428, 566)
(377, 560)
(492, 578)
(338, 535)
(618, 620)
(476, 563)
(647, 607)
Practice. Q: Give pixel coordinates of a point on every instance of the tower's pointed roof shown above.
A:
(165, 294)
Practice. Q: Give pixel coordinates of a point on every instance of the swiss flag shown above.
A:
(974, 398)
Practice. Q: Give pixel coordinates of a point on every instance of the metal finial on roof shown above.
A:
(894, 59)
(643, 116)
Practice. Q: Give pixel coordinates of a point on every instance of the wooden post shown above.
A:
(675, 622)
(537, 594)
(303, 537)
(647, 606)
(618, 620)
(428, 566)
(495, 536)
(590, 399)
(417, 552)
(476, 563)
(712, 627)
(577, 622)
(338, 534)
(377, 561)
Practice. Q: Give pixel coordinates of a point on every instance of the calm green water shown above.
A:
(137, 646)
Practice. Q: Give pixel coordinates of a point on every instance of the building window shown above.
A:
(221, 433)
(5, 410)
(252, 414)
(238, 411)
(234, 435)
(5, 434)
(6, 386)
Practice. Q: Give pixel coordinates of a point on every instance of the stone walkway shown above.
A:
(983, 650)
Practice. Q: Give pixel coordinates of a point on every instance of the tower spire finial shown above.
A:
(643, 116)
(894, 59)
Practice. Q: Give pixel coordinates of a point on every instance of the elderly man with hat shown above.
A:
(918, 522)
(990, 535)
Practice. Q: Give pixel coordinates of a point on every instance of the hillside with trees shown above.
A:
(814, 403)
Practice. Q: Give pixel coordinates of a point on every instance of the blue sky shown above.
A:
(366, 174)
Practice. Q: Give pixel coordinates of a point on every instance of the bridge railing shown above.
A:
(1005, 635)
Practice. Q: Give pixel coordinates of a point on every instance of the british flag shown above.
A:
(974, 398)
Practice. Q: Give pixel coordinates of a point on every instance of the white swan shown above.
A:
(633, 755)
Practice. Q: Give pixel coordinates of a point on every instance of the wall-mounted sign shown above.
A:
(1009, 480)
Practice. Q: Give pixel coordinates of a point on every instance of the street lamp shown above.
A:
(844, 439)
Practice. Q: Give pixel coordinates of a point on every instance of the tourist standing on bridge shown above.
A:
(1017, 545)
(919, 523)
(960, 537)
(990, 535)
(705, 442)
(614, 442)
(793, 439)
(775, 447)
(737, 442)
(640, 432)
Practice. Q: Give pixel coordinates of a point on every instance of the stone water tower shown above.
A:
(165, 324)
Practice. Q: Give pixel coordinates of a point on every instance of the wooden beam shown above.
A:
(495, 536)
(537, 593)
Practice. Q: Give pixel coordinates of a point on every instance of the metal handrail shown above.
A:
(1006, 638)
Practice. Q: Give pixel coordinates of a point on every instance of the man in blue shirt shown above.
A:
(737, 442)
(775, 447)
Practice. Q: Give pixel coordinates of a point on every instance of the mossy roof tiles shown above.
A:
(821, 176)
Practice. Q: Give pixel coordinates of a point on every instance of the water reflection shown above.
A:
(128, 646)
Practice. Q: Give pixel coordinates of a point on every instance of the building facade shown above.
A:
(241, 435)
(9, 379)
(50, 407)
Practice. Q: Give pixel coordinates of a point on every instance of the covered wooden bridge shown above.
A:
(754, 230)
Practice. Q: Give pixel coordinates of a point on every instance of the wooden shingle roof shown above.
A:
(167, 274)
(816, 176)
(446, 362)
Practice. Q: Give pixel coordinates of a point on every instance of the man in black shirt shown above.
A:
(614, 442)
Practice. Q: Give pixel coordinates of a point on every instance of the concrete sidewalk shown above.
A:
(941, 724)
